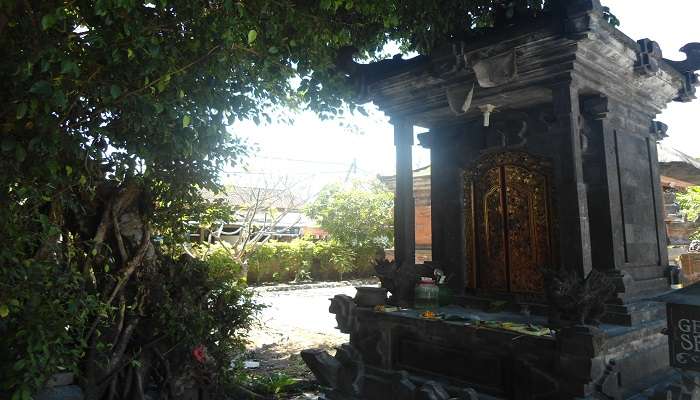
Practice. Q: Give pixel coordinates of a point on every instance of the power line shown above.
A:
(295, 173)
(301, 160)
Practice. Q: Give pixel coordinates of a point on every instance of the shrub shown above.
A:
(303, 258)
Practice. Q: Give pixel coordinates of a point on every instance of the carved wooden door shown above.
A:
(508, 224)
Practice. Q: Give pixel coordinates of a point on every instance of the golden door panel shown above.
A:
(493, 274)
(507, 223)
(527, 227)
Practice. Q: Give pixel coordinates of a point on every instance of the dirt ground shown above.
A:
(296, 318)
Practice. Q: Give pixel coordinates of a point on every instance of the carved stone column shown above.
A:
(404, 202)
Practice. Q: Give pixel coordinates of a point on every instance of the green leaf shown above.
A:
(20, 153)
(8, 143)
(115, 91)
(273, 50)
(4, 311)
(41, 88)
(68, 66)
(69, 170)
(186, 121)
(21, 110)
(83, 180)
(163, 83)
(181, 93)
(47, 21)
(130, 54)
(252, 35)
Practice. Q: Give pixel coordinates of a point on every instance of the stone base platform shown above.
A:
(400, 355)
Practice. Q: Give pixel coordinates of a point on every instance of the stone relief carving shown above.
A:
(574, 299)
(512, 129)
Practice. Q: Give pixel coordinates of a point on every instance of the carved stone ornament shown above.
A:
(425, 139)
(344, 307)
(648, 57)
(344, 373)
(324, 367)
(460, 99)
(575, 300)
(400, 281)
(493, 71)
(658, 130)
(510, 130)
(686, 93)
(692, 61)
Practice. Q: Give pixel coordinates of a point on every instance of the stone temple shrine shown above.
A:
(546, 211)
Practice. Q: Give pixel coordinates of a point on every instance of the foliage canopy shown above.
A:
(114, 121)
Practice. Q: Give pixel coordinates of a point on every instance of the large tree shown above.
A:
(113, 119)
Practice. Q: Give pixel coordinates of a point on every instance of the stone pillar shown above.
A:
(447, 199)
(404, 202)
(572, 205)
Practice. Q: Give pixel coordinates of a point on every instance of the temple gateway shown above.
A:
(547, 214)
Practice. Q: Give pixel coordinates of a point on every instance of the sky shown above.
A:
(313, 152)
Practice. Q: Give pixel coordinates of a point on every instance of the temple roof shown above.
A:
(517, 66)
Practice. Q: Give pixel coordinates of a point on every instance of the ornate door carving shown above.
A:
(508, 222)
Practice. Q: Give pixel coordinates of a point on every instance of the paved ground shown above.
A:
(296, 318)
